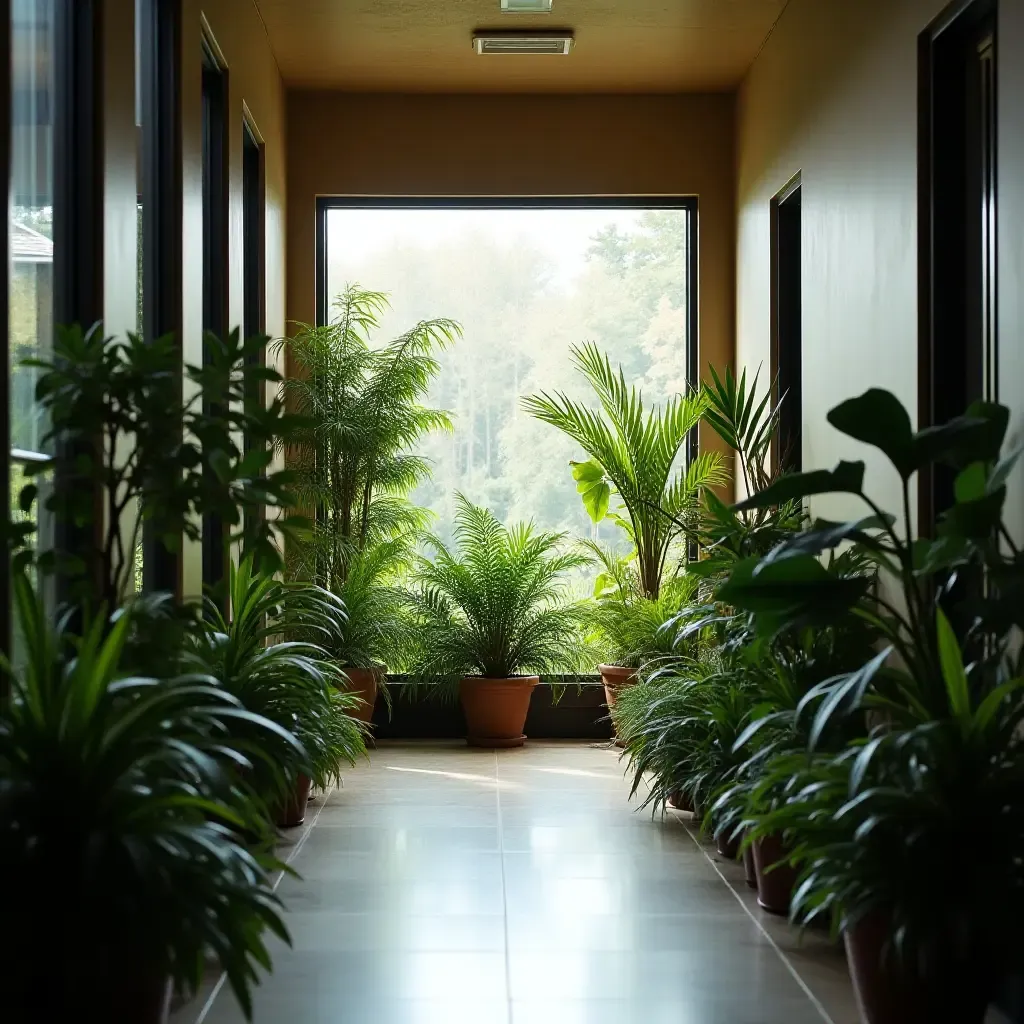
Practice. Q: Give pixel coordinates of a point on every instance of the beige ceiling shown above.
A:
(424, 45)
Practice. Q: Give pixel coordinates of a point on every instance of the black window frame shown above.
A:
(161, 143)
(215, 160)
(609, 202)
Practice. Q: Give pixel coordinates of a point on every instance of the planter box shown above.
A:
(579, 715)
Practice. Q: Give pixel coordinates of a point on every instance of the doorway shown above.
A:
(958, 355)
(787, 324)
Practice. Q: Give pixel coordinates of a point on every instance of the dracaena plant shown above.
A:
(497, 605)
(875, 827)
(120, 826)
(134, 450)
(637, 456)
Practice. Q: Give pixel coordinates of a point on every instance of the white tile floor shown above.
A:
(445, 885)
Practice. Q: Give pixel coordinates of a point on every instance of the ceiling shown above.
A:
(425, 45)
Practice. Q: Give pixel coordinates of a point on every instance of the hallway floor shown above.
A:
(445, 885)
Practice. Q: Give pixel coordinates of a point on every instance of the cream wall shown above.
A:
(833, 95)
(355, 144)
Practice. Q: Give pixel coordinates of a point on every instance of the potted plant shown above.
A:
(492, 615)
(118, 824)
(286, 681)
(636, 455)
(877, 828)
(364, 414)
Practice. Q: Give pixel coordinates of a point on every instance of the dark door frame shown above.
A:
(776, 208)
(937, 176)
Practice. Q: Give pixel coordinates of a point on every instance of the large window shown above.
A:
(30, 226)
(526, 284)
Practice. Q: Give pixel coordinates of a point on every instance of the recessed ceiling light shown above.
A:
(527, 6)
(553, 43)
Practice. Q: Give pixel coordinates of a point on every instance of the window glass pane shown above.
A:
(526, 286)
(31, 214)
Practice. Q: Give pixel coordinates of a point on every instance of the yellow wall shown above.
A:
(354, 144)
(833, 95)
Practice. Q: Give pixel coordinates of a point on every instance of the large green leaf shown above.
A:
(791, 592)
(846, 478)
(824, 535)
(878, 418)
(954, 675)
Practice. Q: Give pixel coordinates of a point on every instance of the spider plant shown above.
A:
(288, 681)
(363, 406)
(496, 606)
(118, 826)
(636, 454)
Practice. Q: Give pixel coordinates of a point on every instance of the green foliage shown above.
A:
(289, 682)
(928, 727)
(355, 457)
(124, 433)
(637, 453)
(632, 630)
(378, 628)
(119, 822)
(496, 606)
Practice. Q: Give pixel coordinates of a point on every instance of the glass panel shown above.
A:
(526, 285)
(31, 214)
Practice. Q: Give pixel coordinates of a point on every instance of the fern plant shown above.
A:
(363, 405)
(498, 605)
(636, 454)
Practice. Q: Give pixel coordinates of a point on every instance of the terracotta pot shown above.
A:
(364, 682)
(748, 866)
(727, 845)
(774, 887)
(888, 995)
(615, 678)
(496, 709)
(679, 801)
(294, 812)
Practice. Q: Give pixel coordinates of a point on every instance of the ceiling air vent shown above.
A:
(526, 6)
(558, 43)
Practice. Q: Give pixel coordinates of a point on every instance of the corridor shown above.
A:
(446, 885)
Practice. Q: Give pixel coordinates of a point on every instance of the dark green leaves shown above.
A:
(847, 477)
(791, 592)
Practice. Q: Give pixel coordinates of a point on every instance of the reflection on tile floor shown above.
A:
(444, 885)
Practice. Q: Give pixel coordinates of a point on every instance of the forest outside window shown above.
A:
(526, 283)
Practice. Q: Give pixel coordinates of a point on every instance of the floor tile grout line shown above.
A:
(504, 887)
(787, 963)
(212, 998)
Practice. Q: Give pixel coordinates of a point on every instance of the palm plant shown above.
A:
(288, 681)
(497, 606)
(363, 406)
(637, 454)
(118, 829)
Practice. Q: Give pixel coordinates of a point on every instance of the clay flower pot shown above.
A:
(364, 682)
(496, 709)
(748, 866)
(774, 887)
(679, 801)
(887, 995)
(728, 846)
(294, 812)
(615, 678)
